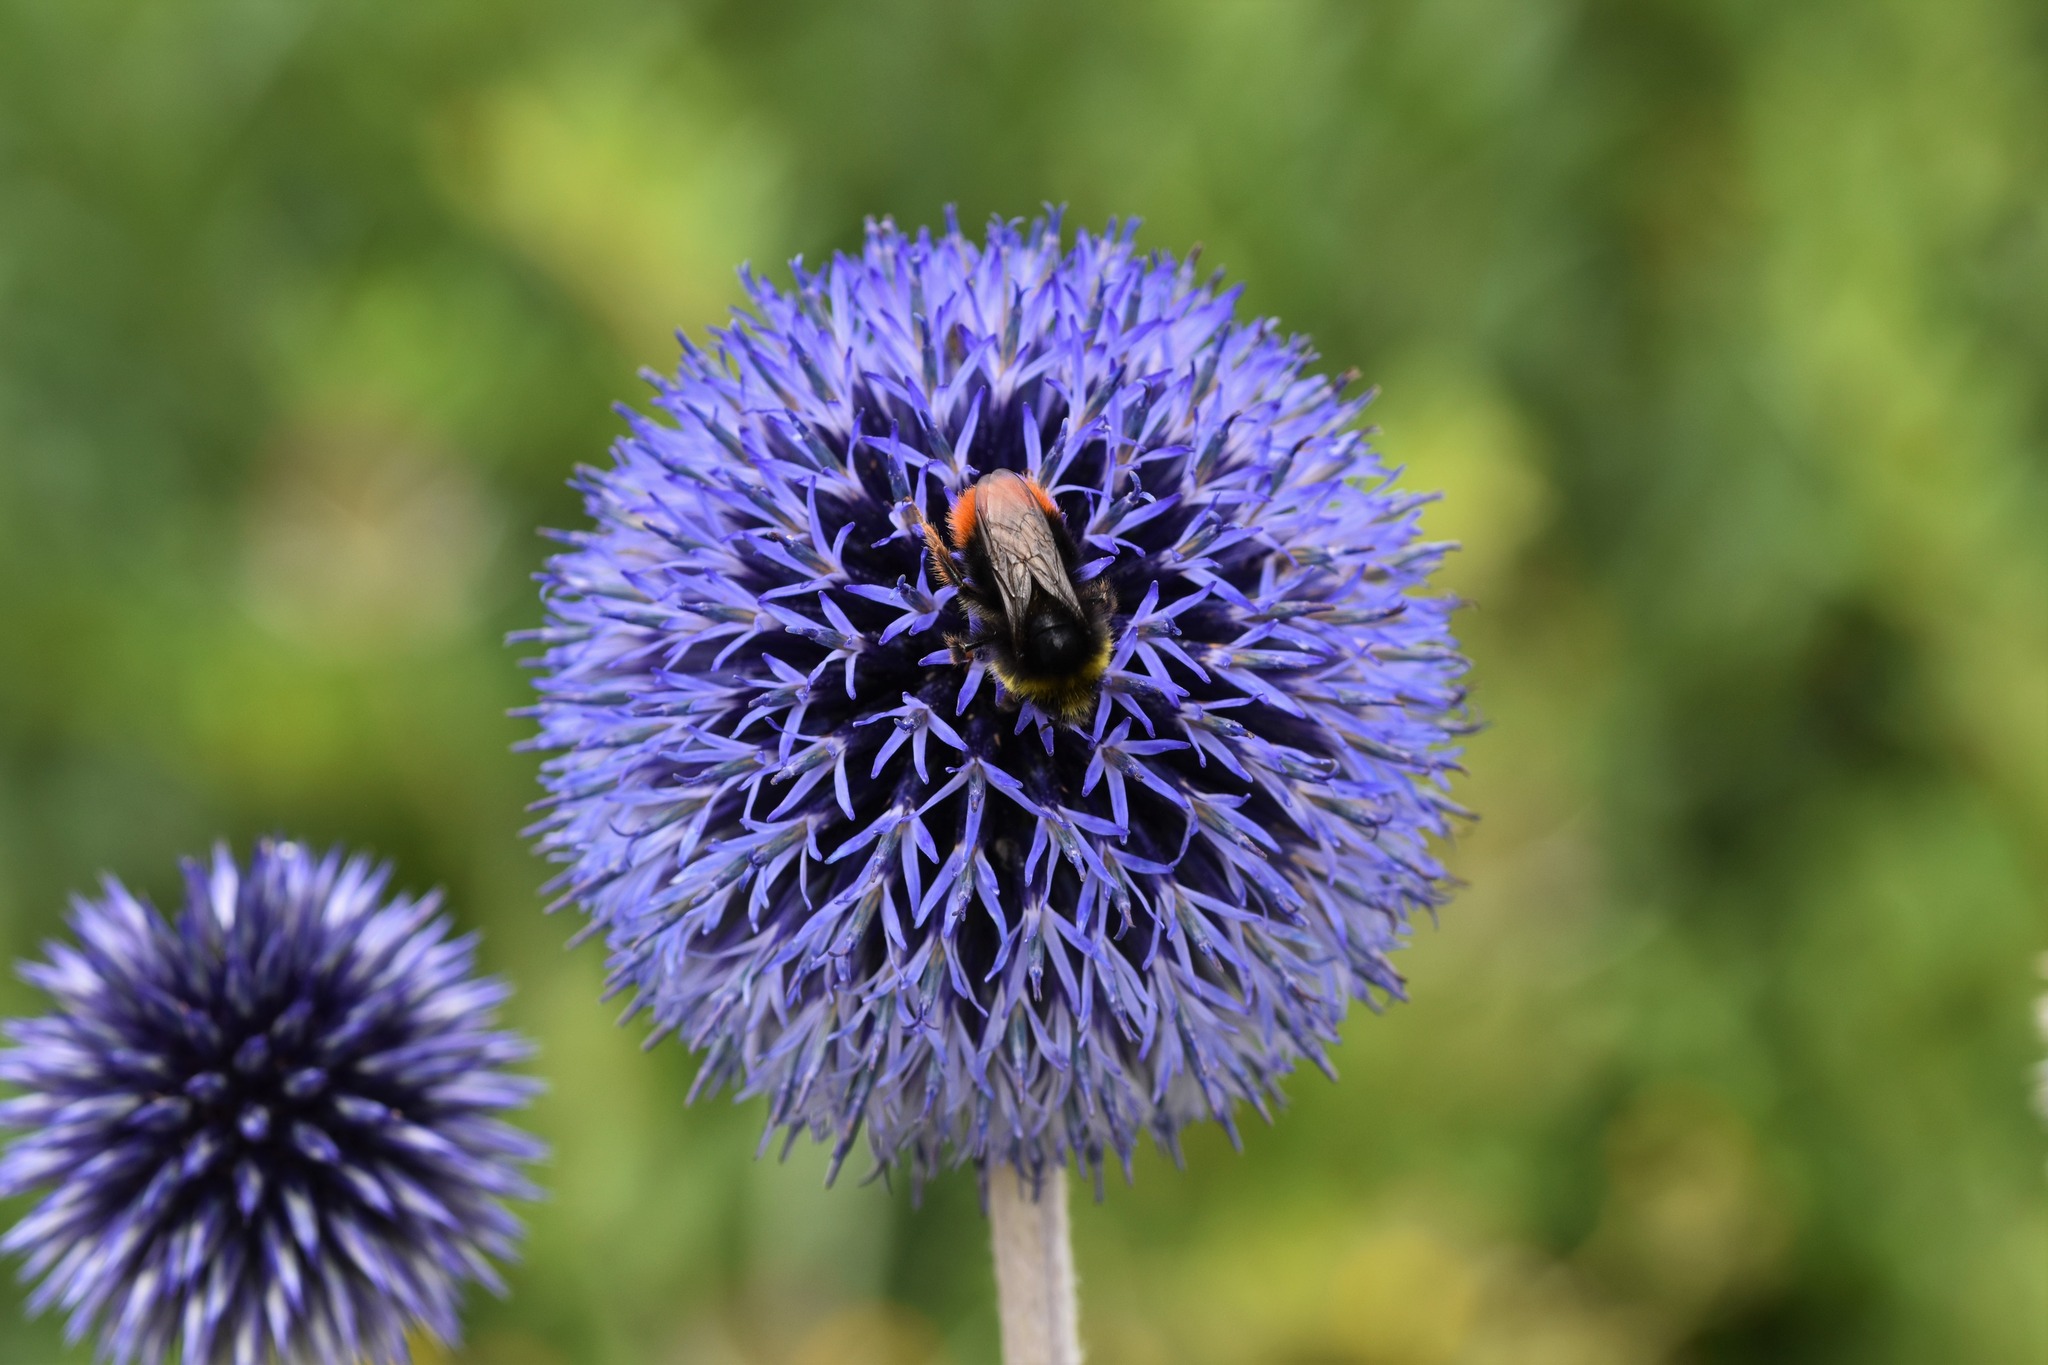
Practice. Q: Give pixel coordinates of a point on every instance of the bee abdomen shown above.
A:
(1056, 643)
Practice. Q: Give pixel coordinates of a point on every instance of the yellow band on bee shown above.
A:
(1067, 700)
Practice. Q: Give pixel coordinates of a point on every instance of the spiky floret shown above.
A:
(266, 1128)
(868, 887)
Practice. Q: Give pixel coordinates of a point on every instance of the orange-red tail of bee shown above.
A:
(1045, 502)
(960, 523)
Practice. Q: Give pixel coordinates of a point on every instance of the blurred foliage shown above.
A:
(1724, 324)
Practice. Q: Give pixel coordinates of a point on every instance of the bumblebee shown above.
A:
(1044, 634)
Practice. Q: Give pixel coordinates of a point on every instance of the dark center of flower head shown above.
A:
(839, 858)
(267, 1123)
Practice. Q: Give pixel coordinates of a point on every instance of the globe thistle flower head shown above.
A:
(831, 849)
(266, 1128)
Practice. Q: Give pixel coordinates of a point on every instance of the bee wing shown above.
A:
(1021, 548)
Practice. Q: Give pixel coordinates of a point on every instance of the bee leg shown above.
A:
(941, 558)
(1100, 596)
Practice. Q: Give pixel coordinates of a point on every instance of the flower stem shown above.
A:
(1034, 1268)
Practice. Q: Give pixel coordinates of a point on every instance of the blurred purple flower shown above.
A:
(872, 888)
(265, 1127)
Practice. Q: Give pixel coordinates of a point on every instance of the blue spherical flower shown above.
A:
(266, 1127)
(830, 849)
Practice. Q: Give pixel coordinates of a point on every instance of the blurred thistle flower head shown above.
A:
(830, 850)
(267, 1128)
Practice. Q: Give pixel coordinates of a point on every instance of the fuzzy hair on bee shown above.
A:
(1043, 632)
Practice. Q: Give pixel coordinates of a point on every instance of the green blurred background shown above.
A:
(1723, 323)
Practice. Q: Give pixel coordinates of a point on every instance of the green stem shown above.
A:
(1034, 1268)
